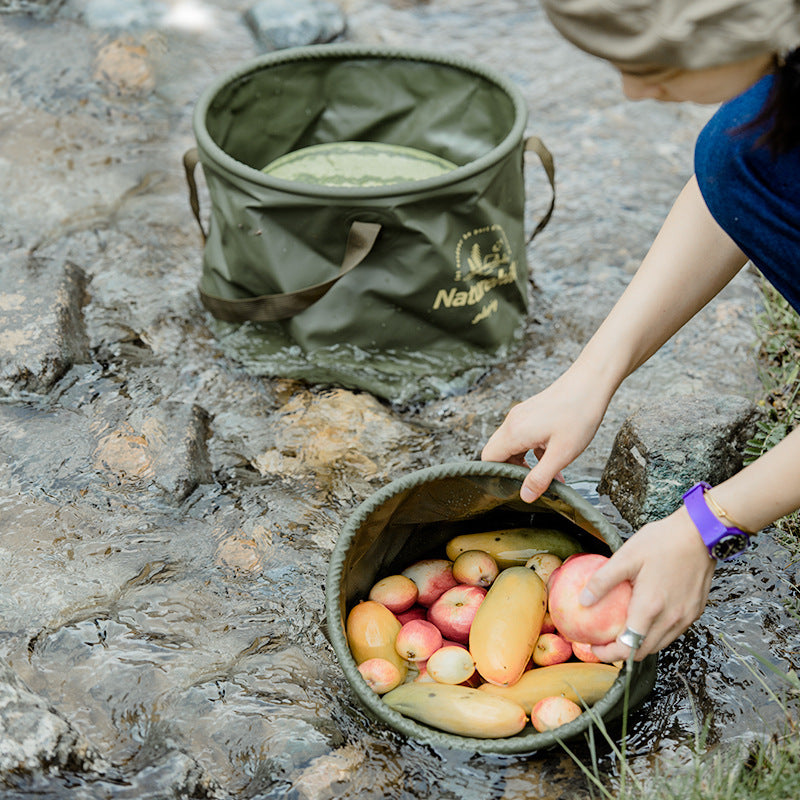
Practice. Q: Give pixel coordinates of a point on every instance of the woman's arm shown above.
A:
(690, 261)
(670, 567)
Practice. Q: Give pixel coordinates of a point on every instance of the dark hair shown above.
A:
(781, 112)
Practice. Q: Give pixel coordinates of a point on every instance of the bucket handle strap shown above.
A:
(270, 307)
(533, 144)
(190, 160)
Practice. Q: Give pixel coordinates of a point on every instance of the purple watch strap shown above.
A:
(722, 542)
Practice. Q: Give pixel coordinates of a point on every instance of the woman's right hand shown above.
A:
(557, 425)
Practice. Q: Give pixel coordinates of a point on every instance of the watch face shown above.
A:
(730, 546)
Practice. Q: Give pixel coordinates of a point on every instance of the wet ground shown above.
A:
(167, 518)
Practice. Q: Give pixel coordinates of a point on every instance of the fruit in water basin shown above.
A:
(600, 623)
(551, 649)
(397, 592)
(458, 709)
(544, 565)
(451, 664)
(507, 624)
(415, 612)
(584, 652)
(433, 577)
(371, 631)
(581, 683)
(553, 712)
(381, 675)
(417, 640)
(515, 546)
(475, 568)
(455, 610)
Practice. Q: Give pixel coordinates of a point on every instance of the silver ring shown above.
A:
(631, 638)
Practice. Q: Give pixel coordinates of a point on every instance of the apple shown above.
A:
(397, 592)
(583, 652)
(547, 624)
(381, 675)
(454, 611)
(433, 577)
(550, 649)
(451, 665)
(423, 676)
(600, 623)
(554, 711)
(415, 612)
(544, 564)
(417, 639)
(475, 568)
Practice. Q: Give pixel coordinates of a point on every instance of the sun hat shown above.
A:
(676, 33)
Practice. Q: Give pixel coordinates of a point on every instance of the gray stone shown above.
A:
(665, 447)
(38, 8)
(278, 24)
(115, 14)
(33, 736)
(42, 330)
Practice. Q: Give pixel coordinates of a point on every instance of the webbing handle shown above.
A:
(533, 144)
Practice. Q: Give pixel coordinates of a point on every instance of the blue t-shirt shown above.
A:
(753, 195)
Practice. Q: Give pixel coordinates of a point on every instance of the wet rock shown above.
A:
(278, 24)
(665, 447)
(318, 779)
(166, 444)
(116, 14)
(42, 330)
(33, 736)
(38, 8)
(338, 434)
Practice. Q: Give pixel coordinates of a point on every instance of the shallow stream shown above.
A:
(167, 519)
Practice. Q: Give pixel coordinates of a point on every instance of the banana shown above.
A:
(515, 546)
(458, 709)
(583, 683)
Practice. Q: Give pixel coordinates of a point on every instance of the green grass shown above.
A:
(778, 331)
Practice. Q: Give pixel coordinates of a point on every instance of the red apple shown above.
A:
(600, 623)
(433, 576)
(452, 664)
(381, 675)
(547, 624)
(396, 592)
(554, 711)
(550, 649)
(475, 568)
(415, 612)
(417, 639)
(454, 611)
(583, 652)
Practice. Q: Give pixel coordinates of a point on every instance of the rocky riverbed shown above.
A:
(167, 518)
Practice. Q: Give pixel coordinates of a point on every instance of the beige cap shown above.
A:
(690, 34)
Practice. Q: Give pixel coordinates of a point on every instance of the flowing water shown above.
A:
(167, 518)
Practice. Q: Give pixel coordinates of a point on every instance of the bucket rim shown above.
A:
(211, 153)
(641, 676)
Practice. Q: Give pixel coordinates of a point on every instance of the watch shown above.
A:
(723, 542)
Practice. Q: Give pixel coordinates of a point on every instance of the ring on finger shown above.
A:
(631, 638)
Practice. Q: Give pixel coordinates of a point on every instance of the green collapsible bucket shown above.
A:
(412, 518)
(407, 284)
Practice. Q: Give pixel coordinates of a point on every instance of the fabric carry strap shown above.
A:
(533, 144)
(270, 307)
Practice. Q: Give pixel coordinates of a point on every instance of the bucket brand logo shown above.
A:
(483, 262)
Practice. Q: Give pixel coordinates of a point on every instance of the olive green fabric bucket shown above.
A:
(409, 290)
(412, 518)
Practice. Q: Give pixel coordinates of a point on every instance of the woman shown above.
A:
(743, 203)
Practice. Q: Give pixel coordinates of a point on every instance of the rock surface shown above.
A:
(665, 447)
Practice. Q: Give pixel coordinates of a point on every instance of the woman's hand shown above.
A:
(670, 569)
(557, 424)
